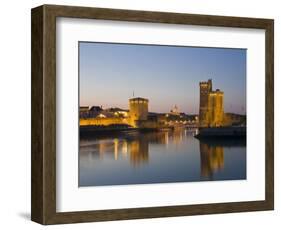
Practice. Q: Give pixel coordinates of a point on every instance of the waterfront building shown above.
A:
(138, 110)
(87, 112)
(175, 111)
(232, 119)
(84, 108)
(211, 110)
(119, 112)
(83, 111)
(96, 109)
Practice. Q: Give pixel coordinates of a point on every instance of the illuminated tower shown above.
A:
(216, 108)
(138, 110)
(205, 89)
(211, 111)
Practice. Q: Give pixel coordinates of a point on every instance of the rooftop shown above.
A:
(138, 99)
(216, 92)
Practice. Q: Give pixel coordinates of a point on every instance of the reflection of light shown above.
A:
(138, 151)
(102, 147)
(212, 159)
(124, 147)
(166, 138)
(115, 149)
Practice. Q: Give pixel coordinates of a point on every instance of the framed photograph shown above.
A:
(140, 114)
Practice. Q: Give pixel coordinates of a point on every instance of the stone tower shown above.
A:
(138, 110)
(205, 89)
(211, 111)
(216, 108)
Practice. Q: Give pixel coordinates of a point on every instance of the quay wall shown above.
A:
(103, 121)
(222, 132)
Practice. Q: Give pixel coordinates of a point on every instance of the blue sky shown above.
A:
(166, 75)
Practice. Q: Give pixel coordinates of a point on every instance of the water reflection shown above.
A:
(212, 159)
(131, 144)
(158, 157)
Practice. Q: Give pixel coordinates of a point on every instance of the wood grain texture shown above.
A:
(269, 116)
(37, 115)
(44, 114)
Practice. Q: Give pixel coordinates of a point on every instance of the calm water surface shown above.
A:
(158, 157)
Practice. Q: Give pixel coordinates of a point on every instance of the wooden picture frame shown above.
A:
(43, 189)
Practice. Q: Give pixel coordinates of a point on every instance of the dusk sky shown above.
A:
(166, 75)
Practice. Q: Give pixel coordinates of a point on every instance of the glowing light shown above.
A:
(116, 141)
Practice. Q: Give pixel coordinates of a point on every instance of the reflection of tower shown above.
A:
(212, 159)
(139, 151)
(211, 109)
(138, 110)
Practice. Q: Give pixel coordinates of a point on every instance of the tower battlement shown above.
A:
(206, 82)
